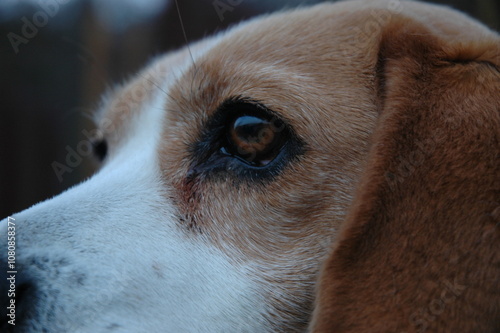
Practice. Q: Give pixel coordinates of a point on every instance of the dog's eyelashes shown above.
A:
(254, 139)
(100, 148)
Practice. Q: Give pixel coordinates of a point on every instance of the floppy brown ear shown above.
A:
(420, 248)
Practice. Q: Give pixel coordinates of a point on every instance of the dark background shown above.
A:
(50, 86)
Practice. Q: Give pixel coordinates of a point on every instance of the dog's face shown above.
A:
(228, 169)
(225, 178)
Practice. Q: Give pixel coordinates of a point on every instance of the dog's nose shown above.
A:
(17, 298)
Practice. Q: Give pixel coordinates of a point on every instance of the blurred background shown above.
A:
(58, 56)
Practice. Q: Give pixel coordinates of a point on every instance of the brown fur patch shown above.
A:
(281, 228)
(420, 249)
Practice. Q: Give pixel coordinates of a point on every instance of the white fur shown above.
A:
(108, 254)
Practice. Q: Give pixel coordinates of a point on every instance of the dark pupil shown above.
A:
(254, 139)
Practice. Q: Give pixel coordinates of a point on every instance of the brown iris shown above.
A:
(255, 140)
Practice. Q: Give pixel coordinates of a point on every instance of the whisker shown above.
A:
(184, 32)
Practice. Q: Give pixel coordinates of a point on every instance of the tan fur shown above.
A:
(420, 248)
(398, 104)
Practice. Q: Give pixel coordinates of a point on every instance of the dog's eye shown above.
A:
(254, 139)
(247, 140)
(100, 148)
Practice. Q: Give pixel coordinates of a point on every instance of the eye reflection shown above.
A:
(255, 140)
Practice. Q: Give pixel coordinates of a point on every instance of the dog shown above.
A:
(326, 169)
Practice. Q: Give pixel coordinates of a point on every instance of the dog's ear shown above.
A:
(420, 248)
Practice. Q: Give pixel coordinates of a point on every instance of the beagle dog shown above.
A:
(328, 169)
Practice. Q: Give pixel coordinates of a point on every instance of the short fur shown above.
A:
(397, 108)
(420, 248)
